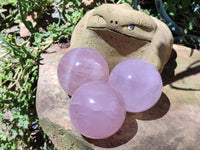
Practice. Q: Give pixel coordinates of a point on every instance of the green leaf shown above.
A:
(79, 3)
(21, 133)
(146, 11)
(4, 137)
(70, 4)
(1, 134)
(190, 25)
(171, 14)
(14, 134)
(185, 31)
(26, 123)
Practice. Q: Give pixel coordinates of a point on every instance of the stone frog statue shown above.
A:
(119, 32)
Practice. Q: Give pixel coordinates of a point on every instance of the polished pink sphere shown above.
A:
(79, 66)
(96, 110)
(139, 83)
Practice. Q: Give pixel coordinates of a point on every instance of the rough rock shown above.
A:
(87, 2)
(173, 123)
(2, 10)
(14, 29)
(119, 32)
(24, 32)
(91, 3)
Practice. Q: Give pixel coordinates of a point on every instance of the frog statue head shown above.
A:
(118, 32)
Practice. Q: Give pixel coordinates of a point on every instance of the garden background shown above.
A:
(28, 28)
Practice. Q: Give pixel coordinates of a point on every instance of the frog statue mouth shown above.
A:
(123, 43)
(101, 29)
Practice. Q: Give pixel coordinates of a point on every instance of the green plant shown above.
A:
(186, 15)
(185, 12)
(182, 17)
(20, 65)
(18, 80)
(7, 15)
(19, 72)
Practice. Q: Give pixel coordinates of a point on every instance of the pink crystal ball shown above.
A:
(96, 110)
(139, 83)
(79, 66)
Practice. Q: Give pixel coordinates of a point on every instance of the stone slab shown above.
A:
(173, 123)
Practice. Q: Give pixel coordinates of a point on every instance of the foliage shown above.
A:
(186, 13)
(7, 2)
(19, 72)
(6, 18)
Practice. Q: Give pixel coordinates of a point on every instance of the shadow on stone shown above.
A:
(168, 74)
(125, 134)
(169, 70)
(157, 111)
(192, 69)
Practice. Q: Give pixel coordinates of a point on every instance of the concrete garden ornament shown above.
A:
(118, 32)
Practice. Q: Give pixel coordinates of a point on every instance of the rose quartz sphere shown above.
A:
(139, 83)
(79, 66)
(96, 110)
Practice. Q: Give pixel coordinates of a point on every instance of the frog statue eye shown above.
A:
(131, 27)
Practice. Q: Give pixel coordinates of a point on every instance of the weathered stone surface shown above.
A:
(2, 10)
(87, 2)
(173, 123)
(118, 32)
(14, 29)
(91, 3)
(24, 32)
